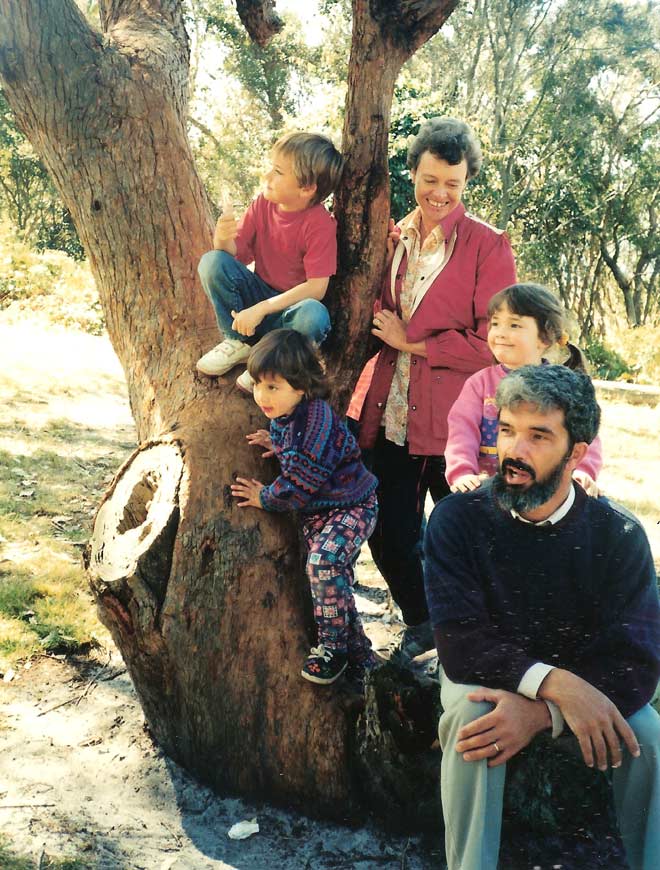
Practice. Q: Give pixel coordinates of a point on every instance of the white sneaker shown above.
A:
(224, 356)
(245, 382)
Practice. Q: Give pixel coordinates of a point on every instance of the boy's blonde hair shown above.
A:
(315, 161)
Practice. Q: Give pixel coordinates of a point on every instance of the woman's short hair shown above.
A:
(292, 356)
(447, 139)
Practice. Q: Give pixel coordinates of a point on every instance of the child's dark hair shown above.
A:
(292, 356)
(533, 300)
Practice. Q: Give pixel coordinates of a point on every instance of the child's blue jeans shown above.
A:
(232, 287)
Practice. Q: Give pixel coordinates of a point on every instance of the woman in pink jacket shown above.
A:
(444, 267)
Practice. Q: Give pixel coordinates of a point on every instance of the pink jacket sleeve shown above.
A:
(593, 459)
(467, 350)
(464, 433)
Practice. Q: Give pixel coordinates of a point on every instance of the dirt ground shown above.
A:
(79, 774)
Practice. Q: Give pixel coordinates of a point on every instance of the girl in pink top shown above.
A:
(524, 321)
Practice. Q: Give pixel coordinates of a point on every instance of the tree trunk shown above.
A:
(207, 603)
(386, 33)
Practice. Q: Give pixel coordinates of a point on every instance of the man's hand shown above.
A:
(509, 727)
(261, 438)
(591, 716)
(247, 320)
(467, 482)
(249, 490)
(390, 329)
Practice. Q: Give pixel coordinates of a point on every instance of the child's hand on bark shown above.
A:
(249, 490)
(261, 438)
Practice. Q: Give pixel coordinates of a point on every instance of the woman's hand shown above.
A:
(393, 236)
(261, 438)
(390, 329)
(249, 490)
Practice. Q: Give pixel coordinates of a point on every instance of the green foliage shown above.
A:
(606, 363)
(564, 98)
(17, 594)
(27, 195)
(50, 284)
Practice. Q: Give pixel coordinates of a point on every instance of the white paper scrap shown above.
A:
(243, 830)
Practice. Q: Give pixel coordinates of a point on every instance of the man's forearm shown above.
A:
(591, 716)
(558, 685)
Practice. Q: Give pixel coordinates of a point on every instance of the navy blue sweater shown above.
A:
(580, 595)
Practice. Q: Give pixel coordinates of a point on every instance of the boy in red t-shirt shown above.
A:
(291, 239)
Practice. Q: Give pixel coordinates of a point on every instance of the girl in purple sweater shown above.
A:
(322, 477)
(524, 321)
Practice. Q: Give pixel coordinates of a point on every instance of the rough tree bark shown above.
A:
(206, 602)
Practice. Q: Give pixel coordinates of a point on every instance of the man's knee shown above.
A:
(646, 725)
(458, 710)
(309, 317)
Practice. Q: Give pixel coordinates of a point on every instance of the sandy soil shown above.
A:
(81, 777)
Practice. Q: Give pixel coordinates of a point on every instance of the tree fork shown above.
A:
(206, 602)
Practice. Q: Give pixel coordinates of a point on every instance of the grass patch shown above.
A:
(52, 475)
(9, 860)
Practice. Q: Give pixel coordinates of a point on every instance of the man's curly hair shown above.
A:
(554, 387)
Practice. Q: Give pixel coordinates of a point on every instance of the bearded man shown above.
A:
(545, 610)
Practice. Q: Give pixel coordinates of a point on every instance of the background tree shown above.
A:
(203, 600)
(28, 198)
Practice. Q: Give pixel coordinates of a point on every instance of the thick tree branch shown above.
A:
(259, 19)
(113, 11)
(408, 24)
(56, 32)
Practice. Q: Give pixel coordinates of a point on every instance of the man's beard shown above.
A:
(523, 499)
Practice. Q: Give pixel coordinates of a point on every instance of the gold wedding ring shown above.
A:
(497, 748)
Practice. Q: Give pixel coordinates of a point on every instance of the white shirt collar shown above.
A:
(555, 516)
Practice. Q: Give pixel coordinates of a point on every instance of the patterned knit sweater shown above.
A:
(320, 461)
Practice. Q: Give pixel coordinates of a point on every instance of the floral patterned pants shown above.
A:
(333, 540)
